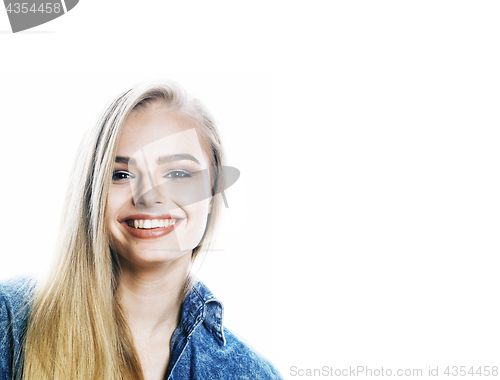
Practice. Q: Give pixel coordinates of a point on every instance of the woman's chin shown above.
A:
(153, 257)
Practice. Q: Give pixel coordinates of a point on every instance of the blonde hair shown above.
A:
(77, 329)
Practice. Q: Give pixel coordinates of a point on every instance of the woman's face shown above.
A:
(160, 195)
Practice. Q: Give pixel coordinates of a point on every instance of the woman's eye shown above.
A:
(178, 174)
(121, 175)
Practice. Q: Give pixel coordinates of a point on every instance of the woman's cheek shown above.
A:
(190, 236)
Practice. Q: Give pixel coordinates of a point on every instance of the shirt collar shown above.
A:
(201, 306)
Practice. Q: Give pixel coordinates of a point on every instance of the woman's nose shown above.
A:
(150, 198)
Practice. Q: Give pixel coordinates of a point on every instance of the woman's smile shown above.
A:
(145, 226)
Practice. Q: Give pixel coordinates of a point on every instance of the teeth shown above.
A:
(151, 223)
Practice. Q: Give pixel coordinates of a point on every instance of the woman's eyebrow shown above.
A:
(160, 160)
(176, 157)
(125, 160)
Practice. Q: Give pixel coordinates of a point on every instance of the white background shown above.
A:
(367, 134)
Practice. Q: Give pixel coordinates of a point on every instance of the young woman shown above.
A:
(120, 302)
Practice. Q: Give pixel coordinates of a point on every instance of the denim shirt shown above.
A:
(201, 347)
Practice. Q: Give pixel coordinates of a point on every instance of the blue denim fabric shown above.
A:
(201, 347)
(14, 311)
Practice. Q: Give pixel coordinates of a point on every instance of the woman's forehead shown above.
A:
(145, 127)
(160, 132)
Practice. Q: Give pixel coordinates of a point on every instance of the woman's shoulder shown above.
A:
(15, 291)
(231, 357)
(15, 298)
(248, 358)
(226, 354)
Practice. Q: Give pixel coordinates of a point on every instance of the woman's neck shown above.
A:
(151, 298)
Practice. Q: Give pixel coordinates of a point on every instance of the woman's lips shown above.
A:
(149, 233)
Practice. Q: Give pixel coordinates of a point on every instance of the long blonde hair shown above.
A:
(77, 329)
